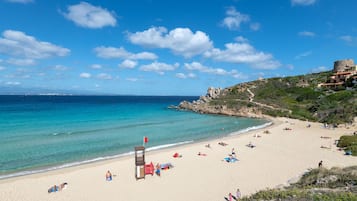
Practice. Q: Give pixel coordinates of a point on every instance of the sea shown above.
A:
(43, 133)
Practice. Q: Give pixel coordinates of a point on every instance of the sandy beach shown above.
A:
(278, 158)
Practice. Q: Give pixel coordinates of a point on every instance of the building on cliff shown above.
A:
(342, 71)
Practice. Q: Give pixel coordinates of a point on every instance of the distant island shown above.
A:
(327, 97)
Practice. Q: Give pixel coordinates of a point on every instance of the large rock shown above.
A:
(213, 92)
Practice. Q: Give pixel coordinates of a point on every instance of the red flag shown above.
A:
(146, 139)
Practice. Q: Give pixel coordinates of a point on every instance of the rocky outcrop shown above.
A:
(202, 105)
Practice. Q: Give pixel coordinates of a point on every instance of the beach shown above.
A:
(289, 149)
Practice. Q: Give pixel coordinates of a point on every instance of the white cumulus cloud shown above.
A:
(13, 83)
(127, 63)
(234, 19)
(304, 54)
(346, 38)
(254, 26)
(319, 69)
(20, 1)
(307, 33)
(96, 66)
(303, 2)
(196, 66)
(21, 62)
(350, 40)
(112, 52)
(104, 76)
(89, 16)
(185, 76)
(159, 67)
(244, 53)
(18, 44)
(60, 68)
(181, 41)
(131, 79)
(85, 75)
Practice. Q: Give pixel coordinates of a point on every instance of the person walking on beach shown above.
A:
(320, 164)
(158, 168)
(238, 194)
(230, 197)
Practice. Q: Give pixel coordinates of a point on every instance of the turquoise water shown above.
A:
(40, 133)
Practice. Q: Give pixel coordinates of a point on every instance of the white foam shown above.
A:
(88, 161)
(168, 145)
(252, 128)
(64, 166)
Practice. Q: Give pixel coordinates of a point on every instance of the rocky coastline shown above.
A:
(203, 105)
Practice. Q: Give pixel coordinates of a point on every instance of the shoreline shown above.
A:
(131, 153)
(278, 158)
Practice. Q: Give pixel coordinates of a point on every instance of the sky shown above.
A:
(168, 47)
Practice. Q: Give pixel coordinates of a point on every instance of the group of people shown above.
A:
(236, 197)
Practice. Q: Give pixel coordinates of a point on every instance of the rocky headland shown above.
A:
(299, 97)
(206, 105)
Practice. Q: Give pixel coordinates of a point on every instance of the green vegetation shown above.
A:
(317, 184)
(295, 97)
(348, 143)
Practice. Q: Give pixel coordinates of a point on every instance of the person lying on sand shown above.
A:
(53, 189)
(201, 154)
(222, 143)
(56, 188)
(325, 137)
(250, 145)
(325, 147)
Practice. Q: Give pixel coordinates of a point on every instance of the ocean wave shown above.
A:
(29, 172)
(168, 145)
(252, 128)
(113, 128)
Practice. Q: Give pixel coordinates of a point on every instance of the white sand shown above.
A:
(279, 157)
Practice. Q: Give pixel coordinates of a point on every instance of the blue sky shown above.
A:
(167, 47)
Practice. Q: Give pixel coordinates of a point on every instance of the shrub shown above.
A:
(347, 140)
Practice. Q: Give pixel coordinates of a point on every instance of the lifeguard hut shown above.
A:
(140, 162)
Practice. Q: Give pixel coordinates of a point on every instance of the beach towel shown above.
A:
(177, 155)
(230, 160)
